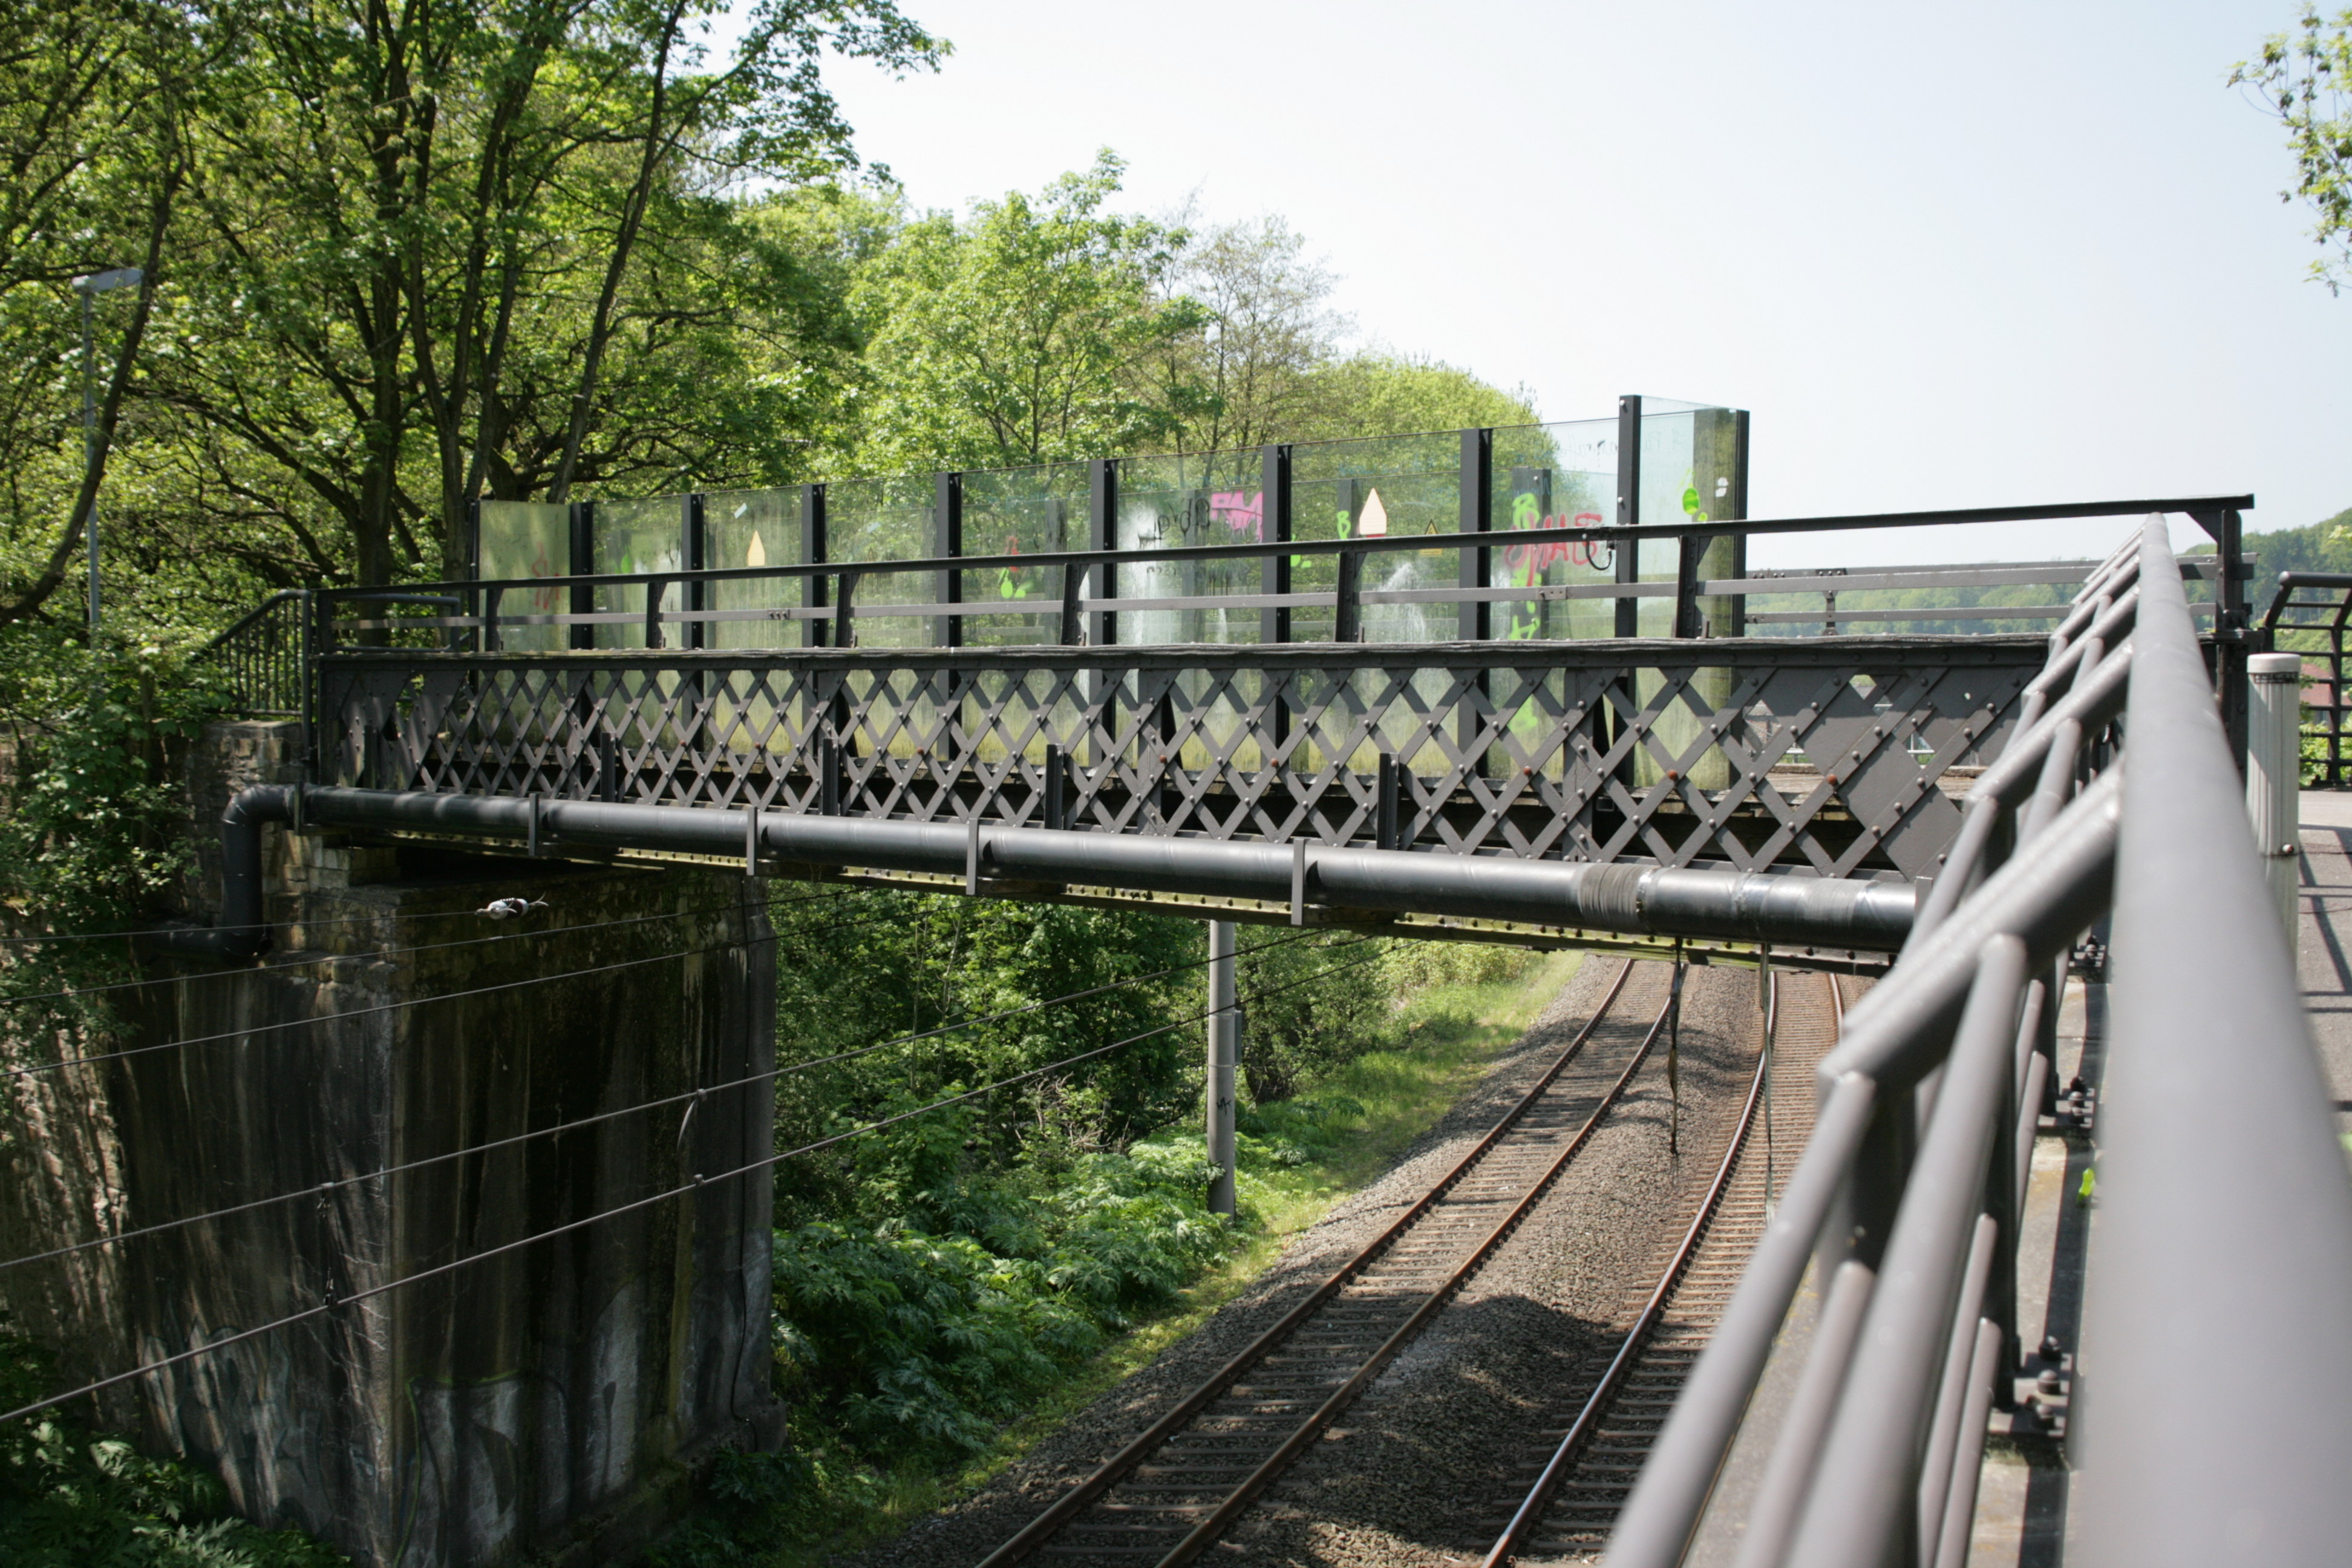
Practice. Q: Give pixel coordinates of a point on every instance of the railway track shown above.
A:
(1167, 1495)
(1571, 1506)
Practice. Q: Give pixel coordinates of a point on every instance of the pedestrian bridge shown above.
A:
(1525, 686)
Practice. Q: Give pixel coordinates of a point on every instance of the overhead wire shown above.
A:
(698, 1184)
(696, 1094)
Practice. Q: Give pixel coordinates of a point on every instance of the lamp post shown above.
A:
(91, 286)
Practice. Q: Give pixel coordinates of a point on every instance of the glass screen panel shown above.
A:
(528, 539)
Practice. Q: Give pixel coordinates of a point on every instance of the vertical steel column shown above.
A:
(473, 545)
(1273, 577)
(1273, 527)
(1477, 516)
(1102, 533)
(582, 516)
(1738, 508)
(1629, 509)
(1476, 622)
(947, 538)
(1225, 1062)
(812, 553)
(2275, 774)
(698, 596)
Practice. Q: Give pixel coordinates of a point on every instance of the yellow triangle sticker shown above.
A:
(757, 554)
(1373, 521)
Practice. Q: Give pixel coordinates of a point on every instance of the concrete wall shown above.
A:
(543, 1400)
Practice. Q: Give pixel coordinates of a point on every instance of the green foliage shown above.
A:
(1379, 393)
(923, 1340)
(93, 830)
(71, 1500)
(1015, 336)
(1297, 1031)
(2305, 79)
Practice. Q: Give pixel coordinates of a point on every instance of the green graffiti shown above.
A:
(1526, 513)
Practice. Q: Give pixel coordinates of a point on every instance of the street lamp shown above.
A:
(90, 287)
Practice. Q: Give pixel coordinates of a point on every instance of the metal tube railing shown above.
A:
(2230, 1239)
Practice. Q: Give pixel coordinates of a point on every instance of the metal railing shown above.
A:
(2226, 1214)
(266, 655)
(1083, 610)
(2316, 604)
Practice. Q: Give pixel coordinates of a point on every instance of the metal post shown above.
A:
(697, 596)
(1477, 516)
(1224, 1063)
(1738, 508)
(1102, 533)
(947, 520)
(2274, 771)
(583, 519)
(1629, 509)
(812, 553)
(1273, 527)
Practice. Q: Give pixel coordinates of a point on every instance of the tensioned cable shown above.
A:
(697, 1184)
(389, 953)
(406, 1002)
(696, 1094)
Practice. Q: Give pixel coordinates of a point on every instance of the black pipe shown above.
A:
(241, 933)
(1797, 912)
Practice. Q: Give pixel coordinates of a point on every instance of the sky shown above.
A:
(1954, 255)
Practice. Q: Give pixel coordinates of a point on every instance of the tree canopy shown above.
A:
(2305, 79)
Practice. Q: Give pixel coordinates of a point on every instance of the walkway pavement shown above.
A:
(2324, 962)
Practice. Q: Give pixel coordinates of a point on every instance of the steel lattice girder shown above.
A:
(1817, 754)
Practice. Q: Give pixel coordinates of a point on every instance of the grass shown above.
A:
(1332, 1141)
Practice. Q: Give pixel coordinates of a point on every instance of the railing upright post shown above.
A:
(697, 596)
(582, 517)
(1273, 577)
(1348, 613)
(1629, 509)
(1273, 527)
(812, 553)
(1102, 533)
(1739, 509)
(947, 529)
(1474, 621)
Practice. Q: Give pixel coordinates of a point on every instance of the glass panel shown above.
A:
(753, 528)
(1554, 476)
(885, 520)
(1372, 488)
(633, 536)
(1017, 511)
(1190, 500)
(528, 539)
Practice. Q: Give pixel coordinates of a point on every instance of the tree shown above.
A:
(1246, 375)
(1380, 394)
(1018, 335)
(449, 229)
(2305, 79)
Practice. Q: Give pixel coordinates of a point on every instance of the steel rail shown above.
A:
(1539, 1496)
(1082, 1497)
(1205, 1534)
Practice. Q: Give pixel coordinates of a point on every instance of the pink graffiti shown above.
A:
(1528, 562)
(1243, 511)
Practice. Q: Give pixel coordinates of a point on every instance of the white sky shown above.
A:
(1974, 255)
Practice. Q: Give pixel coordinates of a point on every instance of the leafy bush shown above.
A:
(1297, 1029)
(921, 1335)
(71, 1500)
